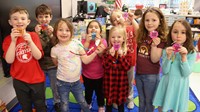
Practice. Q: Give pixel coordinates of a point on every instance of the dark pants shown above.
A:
(120, 108)
(94, 85)
(28, 94)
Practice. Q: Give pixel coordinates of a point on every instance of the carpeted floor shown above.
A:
(194, 104)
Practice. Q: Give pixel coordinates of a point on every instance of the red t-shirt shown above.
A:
(25, 67)
(131, 43)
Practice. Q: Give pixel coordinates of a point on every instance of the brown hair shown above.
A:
(138, 12)
(188, 44)
(43, 9)
(18, 9)
(162, 28)
(57, 25)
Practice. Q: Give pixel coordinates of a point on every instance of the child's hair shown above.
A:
(162, 28)
(121, 30)
(43, 9)
(138, 12)
(57, 25)
(188, 44)
(92, 22)
(114, 11)
(18, 9)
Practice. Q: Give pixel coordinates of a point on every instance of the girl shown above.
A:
(117, 19)
(148, 55)
(93, 72)
(67, 54)
(173, 90)
(116, 63)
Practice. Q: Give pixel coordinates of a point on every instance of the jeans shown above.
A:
(64, 88)
(52, 77)
(146, 86)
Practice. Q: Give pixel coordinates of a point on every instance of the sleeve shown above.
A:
(166, 64)
(187, 66)
(53, 52)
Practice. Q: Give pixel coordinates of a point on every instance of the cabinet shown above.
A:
(193, 20)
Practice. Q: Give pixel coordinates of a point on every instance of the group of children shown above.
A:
(106, 67)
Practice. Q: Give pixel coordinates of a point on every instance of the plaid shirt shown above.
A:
(115, 78)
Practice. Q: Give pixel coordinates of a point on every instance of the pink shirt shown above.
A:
(93, 70)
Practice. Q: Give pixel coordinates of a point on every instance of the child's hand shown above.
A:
(112, 51)
(38, 28)
(183, 51)
(169, 52)
(101, 48)
(88, 37)
(120, 52)
(49, 30)
(28, 38)
(131, 16)
(14, 34)
(156, 41)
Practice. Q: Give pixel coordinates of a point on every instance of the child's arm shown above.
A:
(34, 49)
(55, 61)
(10, 54)
(156, 52)
(134, 23)
(86, 42)
(187, 61)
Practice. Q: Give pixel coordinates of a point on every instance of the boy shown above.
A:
(43, 15)
(22, 50)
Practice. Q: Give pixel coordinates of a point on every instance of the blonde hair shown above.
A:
(111, 16)
(122, 31)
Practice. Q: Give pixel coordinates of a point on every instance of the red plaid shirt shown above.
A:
(115, 78)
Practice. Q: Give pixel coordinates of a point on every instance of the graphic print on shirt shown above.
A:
(144, 51)
(23, 52)
(130, 43)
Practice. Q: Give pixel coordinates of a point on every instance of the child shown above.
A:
(149, 52)
(93, 72)
(173, 90)
(116, 20)
(116, 62)
(67, 54)
(138, 15)
(22, 50)
(43, 15)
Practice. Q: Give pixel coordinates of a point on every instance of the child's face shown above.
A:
(19, 20)
(63, 33)
(178, 33)
(117, 19)
(151, 21)
(116, 37)
(94, 28)
(44, 18)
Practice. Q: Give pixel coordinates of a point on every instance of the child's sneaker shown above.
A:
(101, 109)
(130, 105)
(115, 105)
